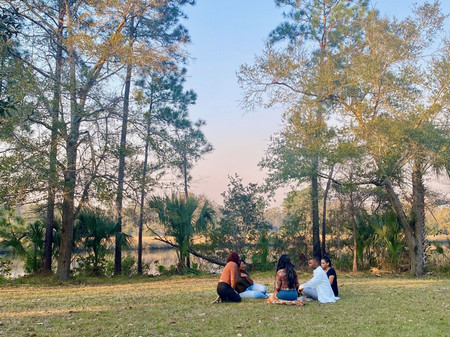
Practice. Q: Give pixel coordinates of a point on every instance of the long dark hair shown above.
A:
(327, 260)
(285, 263)
(234, 257)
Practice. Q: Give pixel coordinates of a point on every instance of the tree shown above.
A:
(242, 220)
(189, 145)
(375, 79)
(182, 218)
(166, 104)
(298, 154)
(398, 107)
(281, 76)
(159, 27)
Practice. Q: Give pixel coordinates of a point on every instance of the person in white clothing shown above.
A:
(318, 288)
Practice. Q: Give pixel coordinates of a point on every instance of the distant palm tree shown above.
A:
(182, 217)
(93, 230)
(27, 242)
(388, 231)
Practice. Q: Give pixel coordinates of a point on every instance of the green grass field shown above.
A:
(180, 306)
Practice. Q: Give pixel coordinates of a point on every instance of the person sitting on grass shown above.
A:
(246, 287)
(228, 280)
(318, 288)
(286, 280)
(331, 273)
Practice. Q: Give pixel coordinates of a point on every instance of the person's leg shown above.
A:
(246, 294)
(231, 296)
(226, 293)
(311, 292)
(259, 295)
(221, 290)
(253, 294)
(259, 287)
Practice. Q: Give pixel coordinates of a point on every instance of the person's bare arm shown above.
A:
(249, 279)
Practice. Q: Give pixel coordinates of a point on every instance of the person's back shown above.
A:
(334, 286)
(230, 274)
(286, 280)
(331, 274)
(227, 282)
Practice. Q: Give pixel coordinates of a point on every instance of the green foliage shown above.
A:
(439, 256)
(388, 232)
(260, 257)
(182, 218)
(344, 263)
(5, 267)
(242, 220)
(25, 241)
(128, 266)
(93, 231)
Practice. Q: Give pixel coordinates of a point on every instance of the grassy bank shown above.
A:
(180, 306)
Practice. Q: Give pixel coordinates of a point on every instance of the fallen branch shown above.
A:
(190, 250)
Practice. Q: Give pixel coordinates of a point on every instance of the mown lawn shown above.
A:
(180, 306)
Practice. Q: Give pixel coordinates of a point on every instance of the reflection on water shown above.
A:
(169, 258)
(163, 257)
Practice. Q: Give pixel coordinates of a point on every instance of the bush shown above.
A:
(345, 263)
(128, 266)
(5, 267)
(91, 266)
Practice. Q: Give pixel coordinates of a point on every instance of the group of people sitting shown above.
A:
(235, 283)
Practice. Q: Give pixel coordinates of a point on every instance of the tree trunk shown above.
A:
(185, 174)
(144, 177)
(122, 155)
(324, 215)
(315, 211)
(407, 229)
(65, 251)
(355, 241)
(186, 194)
(418, 266)
(53, 176)
(193, 252)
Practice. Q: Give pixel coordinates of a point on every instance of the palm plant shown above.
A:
(388, 231)
(182, 217)
(26, 241)
(93, 230)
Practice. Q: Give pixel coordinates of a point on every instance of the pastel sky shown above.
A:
(226, 34)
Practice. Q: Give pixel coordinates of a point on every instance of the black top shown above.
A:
(334, 285)
(242, 283)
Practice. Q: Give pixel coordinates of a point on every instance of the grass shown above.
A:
(180, 306)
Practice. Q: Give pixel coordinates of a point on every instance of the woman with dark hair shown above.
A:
(228, 279)
(325, 263)
(286, 280)
(246, 287)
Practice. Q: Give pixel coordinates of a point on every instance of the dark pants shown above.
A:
(226, 293)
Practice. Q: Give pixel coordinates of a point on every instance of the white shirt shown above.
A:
(322, 284)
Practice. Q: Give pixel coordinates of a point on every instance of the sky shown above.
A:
(225, 35)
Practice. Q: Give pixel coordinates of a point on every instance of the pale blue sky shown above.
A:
(226, 34)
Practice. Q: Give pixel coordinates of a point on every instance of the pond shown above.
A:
(162, 257)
